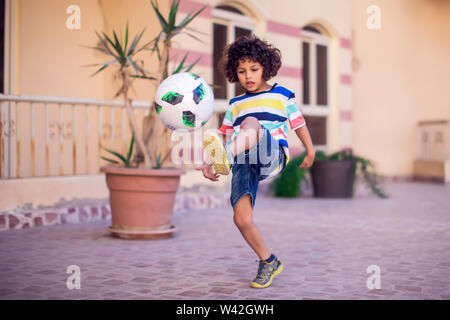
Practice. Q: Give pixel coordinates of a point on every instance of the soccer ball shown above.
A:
(184, 102)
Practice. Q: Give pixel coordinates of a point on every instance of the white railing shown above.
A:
(56, 136)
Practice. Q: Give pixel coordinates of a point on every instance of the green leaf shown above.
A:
(99, 70)
(144, 47)
(164, 159)
(192, 65)
(103, 51)
(126, 39)
(134, 43)
(143, 77)
(180, 66)
(173, 14)
(194, 37)
(161, 19)
(109, 160)
(195, 30)
(132, 64)
(156, 40)
(188, 19)
(119, 46)
(158, 160)
(130, 151)
(112, 44)
(118, 155)
(105, 65)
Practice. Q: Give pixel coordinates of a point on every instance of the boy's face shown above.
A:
(250, 76)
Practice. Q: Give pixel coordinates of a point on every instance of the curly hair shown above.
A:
(253, 48)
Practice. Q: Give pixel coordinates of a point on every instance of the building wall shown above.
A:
(56, 69)
(382, 82)
(401, 76)
(51, 58)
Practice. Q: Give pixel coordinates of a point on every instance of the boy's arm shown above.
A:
(305, 138)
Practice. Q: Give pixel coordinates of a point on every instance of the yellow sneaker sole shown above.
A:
(215, 149)
(277, 272)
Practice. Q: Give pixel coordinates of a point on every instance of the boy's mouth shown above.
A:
(249, 84)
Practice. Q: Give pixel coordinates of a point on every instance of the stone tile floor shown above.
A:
(326, 246)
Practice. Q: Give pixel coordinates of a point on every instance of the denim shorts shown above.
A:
(254, 165)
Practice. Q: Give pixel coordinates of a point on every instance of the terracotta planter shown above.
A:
(333, 178)
(142, 201)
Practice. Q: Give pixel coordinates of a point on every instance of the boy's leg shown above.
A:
(243, 218)
(269, 265)
(249, 135)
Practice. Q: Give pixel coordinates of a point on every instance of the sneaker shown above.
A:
(266, 273)
(214, 147)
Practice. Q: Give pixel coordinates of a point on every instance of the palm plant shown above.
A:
(156, 134)
(126, 160)
(168, 31)
(124, 59)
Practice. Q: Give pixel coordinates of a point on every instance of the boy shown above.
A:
(258, 147)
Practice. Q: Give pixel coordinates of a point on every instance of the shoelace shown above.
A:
(262, 275)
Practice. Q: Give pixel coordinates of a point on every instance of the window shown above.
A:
(315, 88)
(229, 24)
(306, 78)
(220, 41)
(322, 75)
(315, 67)
(317, 127)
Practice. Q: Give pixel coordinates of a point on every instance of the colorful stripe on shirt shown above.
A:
(273, 108)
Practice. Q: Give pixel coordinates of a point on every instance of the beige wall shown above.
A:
(51, 59)
(402, 77)
(49, 56)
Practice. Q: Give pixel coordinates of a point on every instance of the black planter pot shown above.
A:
(333, 178)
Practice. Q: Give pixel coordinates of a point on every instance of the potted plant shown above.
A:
(155, 134)
(332, 176)
(141, 198)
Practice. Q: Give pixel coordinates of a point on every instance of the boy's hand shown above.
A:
(208, 172)
(309, 160)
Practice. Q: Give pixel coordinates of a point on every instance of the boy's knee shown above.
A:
(242, 220)
(250, 122)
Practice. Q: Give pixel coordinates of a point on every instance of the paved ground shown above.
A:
(326, 245)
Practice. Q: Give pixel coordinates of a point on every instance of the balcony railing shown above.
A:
(53, 136)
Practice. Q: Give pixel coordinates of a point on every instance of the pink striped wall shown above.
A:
(187, 6)
(346, 115)
(346, 79)
(206, 59)
(291, 72)
(346, 43)
(282, 28)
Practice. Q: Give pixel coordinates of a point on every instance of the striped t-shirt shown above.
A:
(273, 108)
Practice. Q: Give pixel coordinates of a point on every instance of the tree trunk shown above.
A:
(156, 135)
(132, 122)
